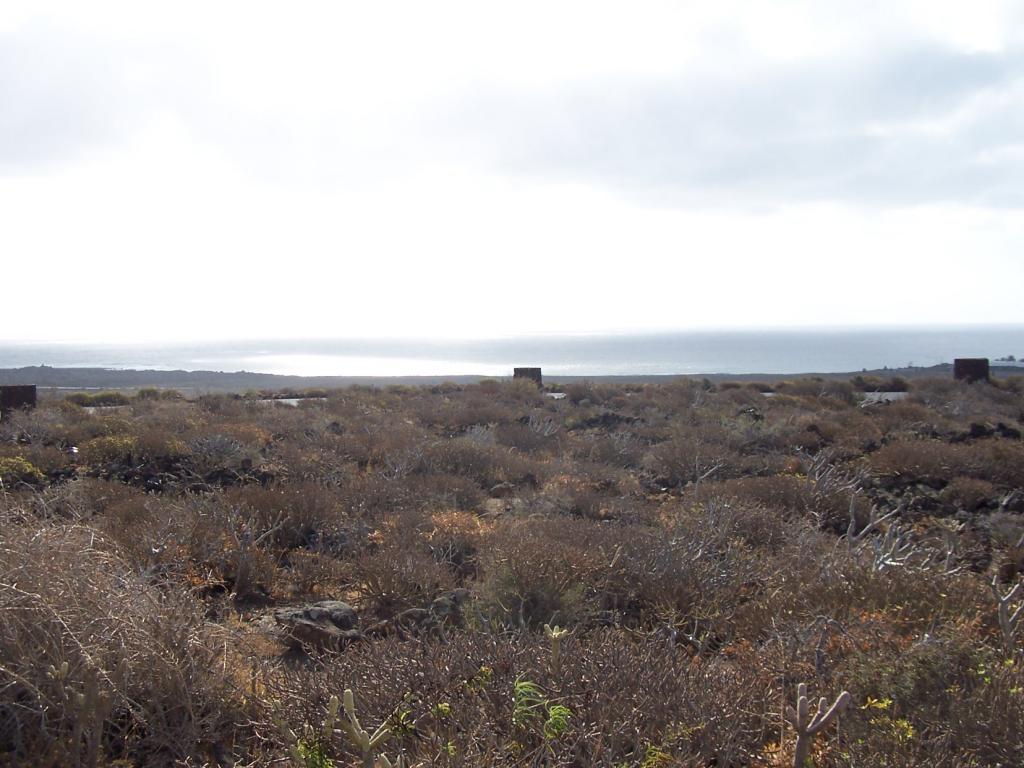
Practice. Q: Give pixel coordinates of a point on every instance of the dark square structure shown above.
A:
(533, 374)
(970, 369)
(16, 397)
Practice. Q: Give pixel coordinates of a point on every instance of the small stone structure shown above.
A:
(533, 374)
(14, 398)
(970, 369)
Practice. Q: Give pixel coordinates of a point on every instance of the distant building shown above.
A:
(533, 374)
(970, 369)
(16, 397)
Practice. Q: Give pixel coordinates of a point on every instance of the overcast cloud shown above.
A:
(238, 169)
(912, 126)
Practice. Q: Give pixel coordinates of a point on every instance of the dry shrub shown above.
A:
(941, 699)
(473, 405)
(49, 459)
(485, 464)
(854, 430)
(314, 573)
(539, 434)
(936, 463)
(370, 496)
(577, 572)
(160, 447)
(906, 416)
(215, 453)
(578, 391)
(444, 492)
(1004, 463)
(690, 613)
(538, 571)
(929, 461)
(619, 449)
(840, 393)
(249, 434)
(630, 702)
(397, 576)
(785, 493)
(304, 514)
(455, 541)
(968, 402)
(36, 425)
(96, 664)
(80, 500)
(691, 458)
(586, 491)
(225, 405)
(968, 493)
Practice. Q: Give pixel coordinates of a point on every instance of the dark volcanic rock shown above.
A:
(328, 624)
(1007, 431)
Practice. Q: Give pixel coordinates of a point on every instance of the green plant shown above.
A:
(527, 701)
(530, 704)
(654, 757)
(557, 722)
(16, 470)
(109, 449)
(311, 755)
(309, 749)
(98, 400)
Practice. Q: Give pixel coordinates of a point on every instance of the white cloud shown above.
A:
(249, 169)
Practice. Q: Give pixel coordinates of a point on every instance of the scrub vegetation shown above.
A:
(632, 575)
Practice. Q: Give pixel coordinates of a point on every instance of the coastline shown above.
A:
(49, 378)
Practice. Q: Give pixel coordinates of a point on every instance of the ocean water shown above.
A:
(770, 351)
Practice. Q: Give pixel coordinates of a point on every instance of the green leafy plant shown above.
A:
(527, 702)
(557, 722)
(530, 704)
(311, 755)
(309, 749)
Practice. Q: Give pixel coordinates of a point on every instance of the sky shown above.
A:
(470, 169)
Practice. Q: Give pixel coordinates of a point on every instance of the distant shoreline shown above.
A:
(46, 377)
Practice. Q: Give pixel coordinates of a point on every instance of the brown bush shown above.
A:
(485, 464)
(968, 493)
(97, 664)
(398, 576)
(936, 462)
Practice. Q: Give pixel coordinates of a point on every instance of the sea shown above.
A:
(683, 352)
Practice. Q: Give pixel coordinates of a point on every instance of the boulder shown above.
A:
(1006, 431)
(327, 624)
